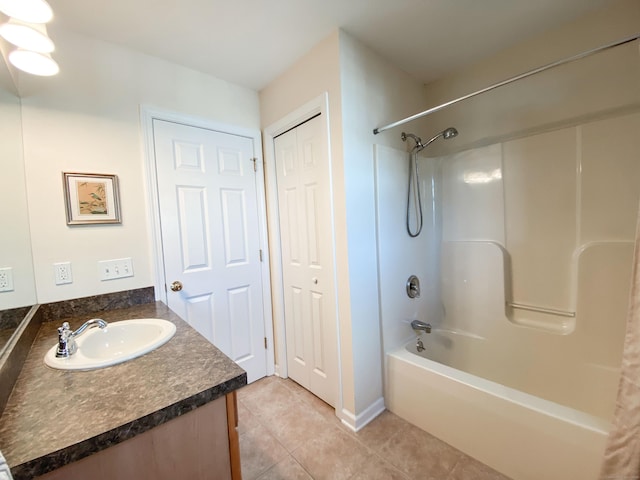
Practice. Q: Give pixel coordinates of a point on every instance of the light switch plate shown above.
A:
(117, 268)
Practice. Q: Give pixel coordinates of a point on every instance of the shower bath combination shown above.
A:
(414, 179)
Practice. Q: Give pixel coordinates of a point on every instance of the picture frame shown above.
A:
(91, 198)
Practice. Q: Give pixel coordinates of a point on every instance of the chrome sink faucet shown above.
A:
(67, 339)
(419, 325)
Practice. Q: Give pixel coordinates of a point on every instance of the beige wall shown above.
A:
(373, 92)
(86, 119)
(599, 85)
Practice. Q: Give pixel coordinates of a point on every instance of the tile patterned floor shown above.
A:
(286, 433)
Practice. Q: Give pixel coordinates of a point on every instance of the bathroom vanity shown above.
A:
(169, 414)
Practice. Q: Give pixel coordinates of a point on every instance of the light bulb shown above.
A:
(30, 36)
(35, 63)
(33, 11)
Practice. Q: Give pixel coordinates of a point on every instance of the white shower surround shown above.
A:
(558, 429)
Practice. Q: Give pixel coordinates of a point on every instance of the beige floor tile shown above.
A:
(419, 454)
(287, 469)
(381, 429)
(334, 455)
(375, 468)
(258, 385)
(294, 386)
(316, 403)
(246, 420)
(271, 400)
(468, 468)
(323, 408)
(296, 425)
(259, 451)
(287, 433)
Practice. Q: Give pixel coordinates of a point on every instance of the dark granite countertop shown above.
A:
(55, 417)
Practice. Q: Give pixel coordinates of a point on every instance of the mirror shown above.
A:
(17, 287)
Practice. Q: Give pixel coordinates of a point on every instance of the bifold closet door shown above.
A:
(307, 256)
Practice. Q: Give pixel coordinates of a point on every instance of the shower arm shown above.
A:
(430, 141)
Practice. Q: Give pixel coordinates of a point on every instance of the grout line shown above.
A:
(300, 465)
(392, 466)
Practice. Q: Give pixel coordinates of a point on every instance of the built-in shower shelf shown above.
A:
(550, 320)
(533, 308)
(545, 319)
(595, 299)
(601, 281)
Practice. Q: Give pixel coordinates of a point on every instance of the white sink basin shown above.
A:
(117, 343)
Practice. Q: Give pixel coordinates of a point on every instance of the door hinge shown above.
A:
(260, 254)
(255, 164)
(265, 343)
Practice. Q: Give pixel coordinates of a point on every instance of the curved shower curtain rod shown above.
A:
(507, 81)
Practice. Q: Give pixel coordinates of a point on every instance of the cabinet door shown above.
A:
(194, 446)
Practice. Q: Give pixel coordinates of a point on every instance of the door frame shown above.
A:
(147, 115)
(318, 105)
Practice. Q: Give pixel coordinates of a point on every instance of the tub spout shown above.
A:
(419, 325)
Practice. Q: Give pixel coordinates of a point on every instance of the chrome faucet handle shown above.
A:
(66, 343)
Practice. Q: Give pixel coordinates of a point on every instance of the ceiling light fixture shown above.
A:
(33, 11)
(30, 36)
(35, 63)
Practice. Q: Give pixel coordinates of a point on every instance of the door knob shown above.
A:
(176, 286)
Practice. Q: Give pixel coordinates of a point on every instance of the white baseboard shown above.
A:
(356, 422)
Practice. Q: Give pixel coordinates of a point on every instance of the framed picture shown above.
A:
(91, 198)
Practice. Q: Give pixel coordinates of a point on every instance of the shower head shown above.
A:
(447, 133)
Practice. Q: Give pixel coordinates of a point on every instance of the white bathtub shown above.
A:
(518, 434)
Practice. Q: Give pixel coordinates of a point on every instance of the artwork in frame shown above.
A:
(91, 198)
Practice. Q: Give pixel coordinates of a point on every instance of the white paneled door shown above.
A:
(307, 258)
(210, 237)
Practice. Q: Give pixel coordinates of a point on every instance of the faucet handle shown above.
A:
(66, 344)
(64, 331)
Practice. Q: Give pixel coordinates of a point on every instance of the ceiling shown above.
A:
(251, 42)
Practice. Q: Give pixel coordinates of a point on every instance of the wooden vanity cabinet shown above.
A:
(202, 444)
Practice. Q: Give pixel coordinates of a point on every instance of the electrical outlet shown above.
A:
(6, 279)
(62, 273)
(112, 269)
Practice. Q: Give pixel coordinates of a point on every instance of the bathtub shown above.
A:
(523, 436)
